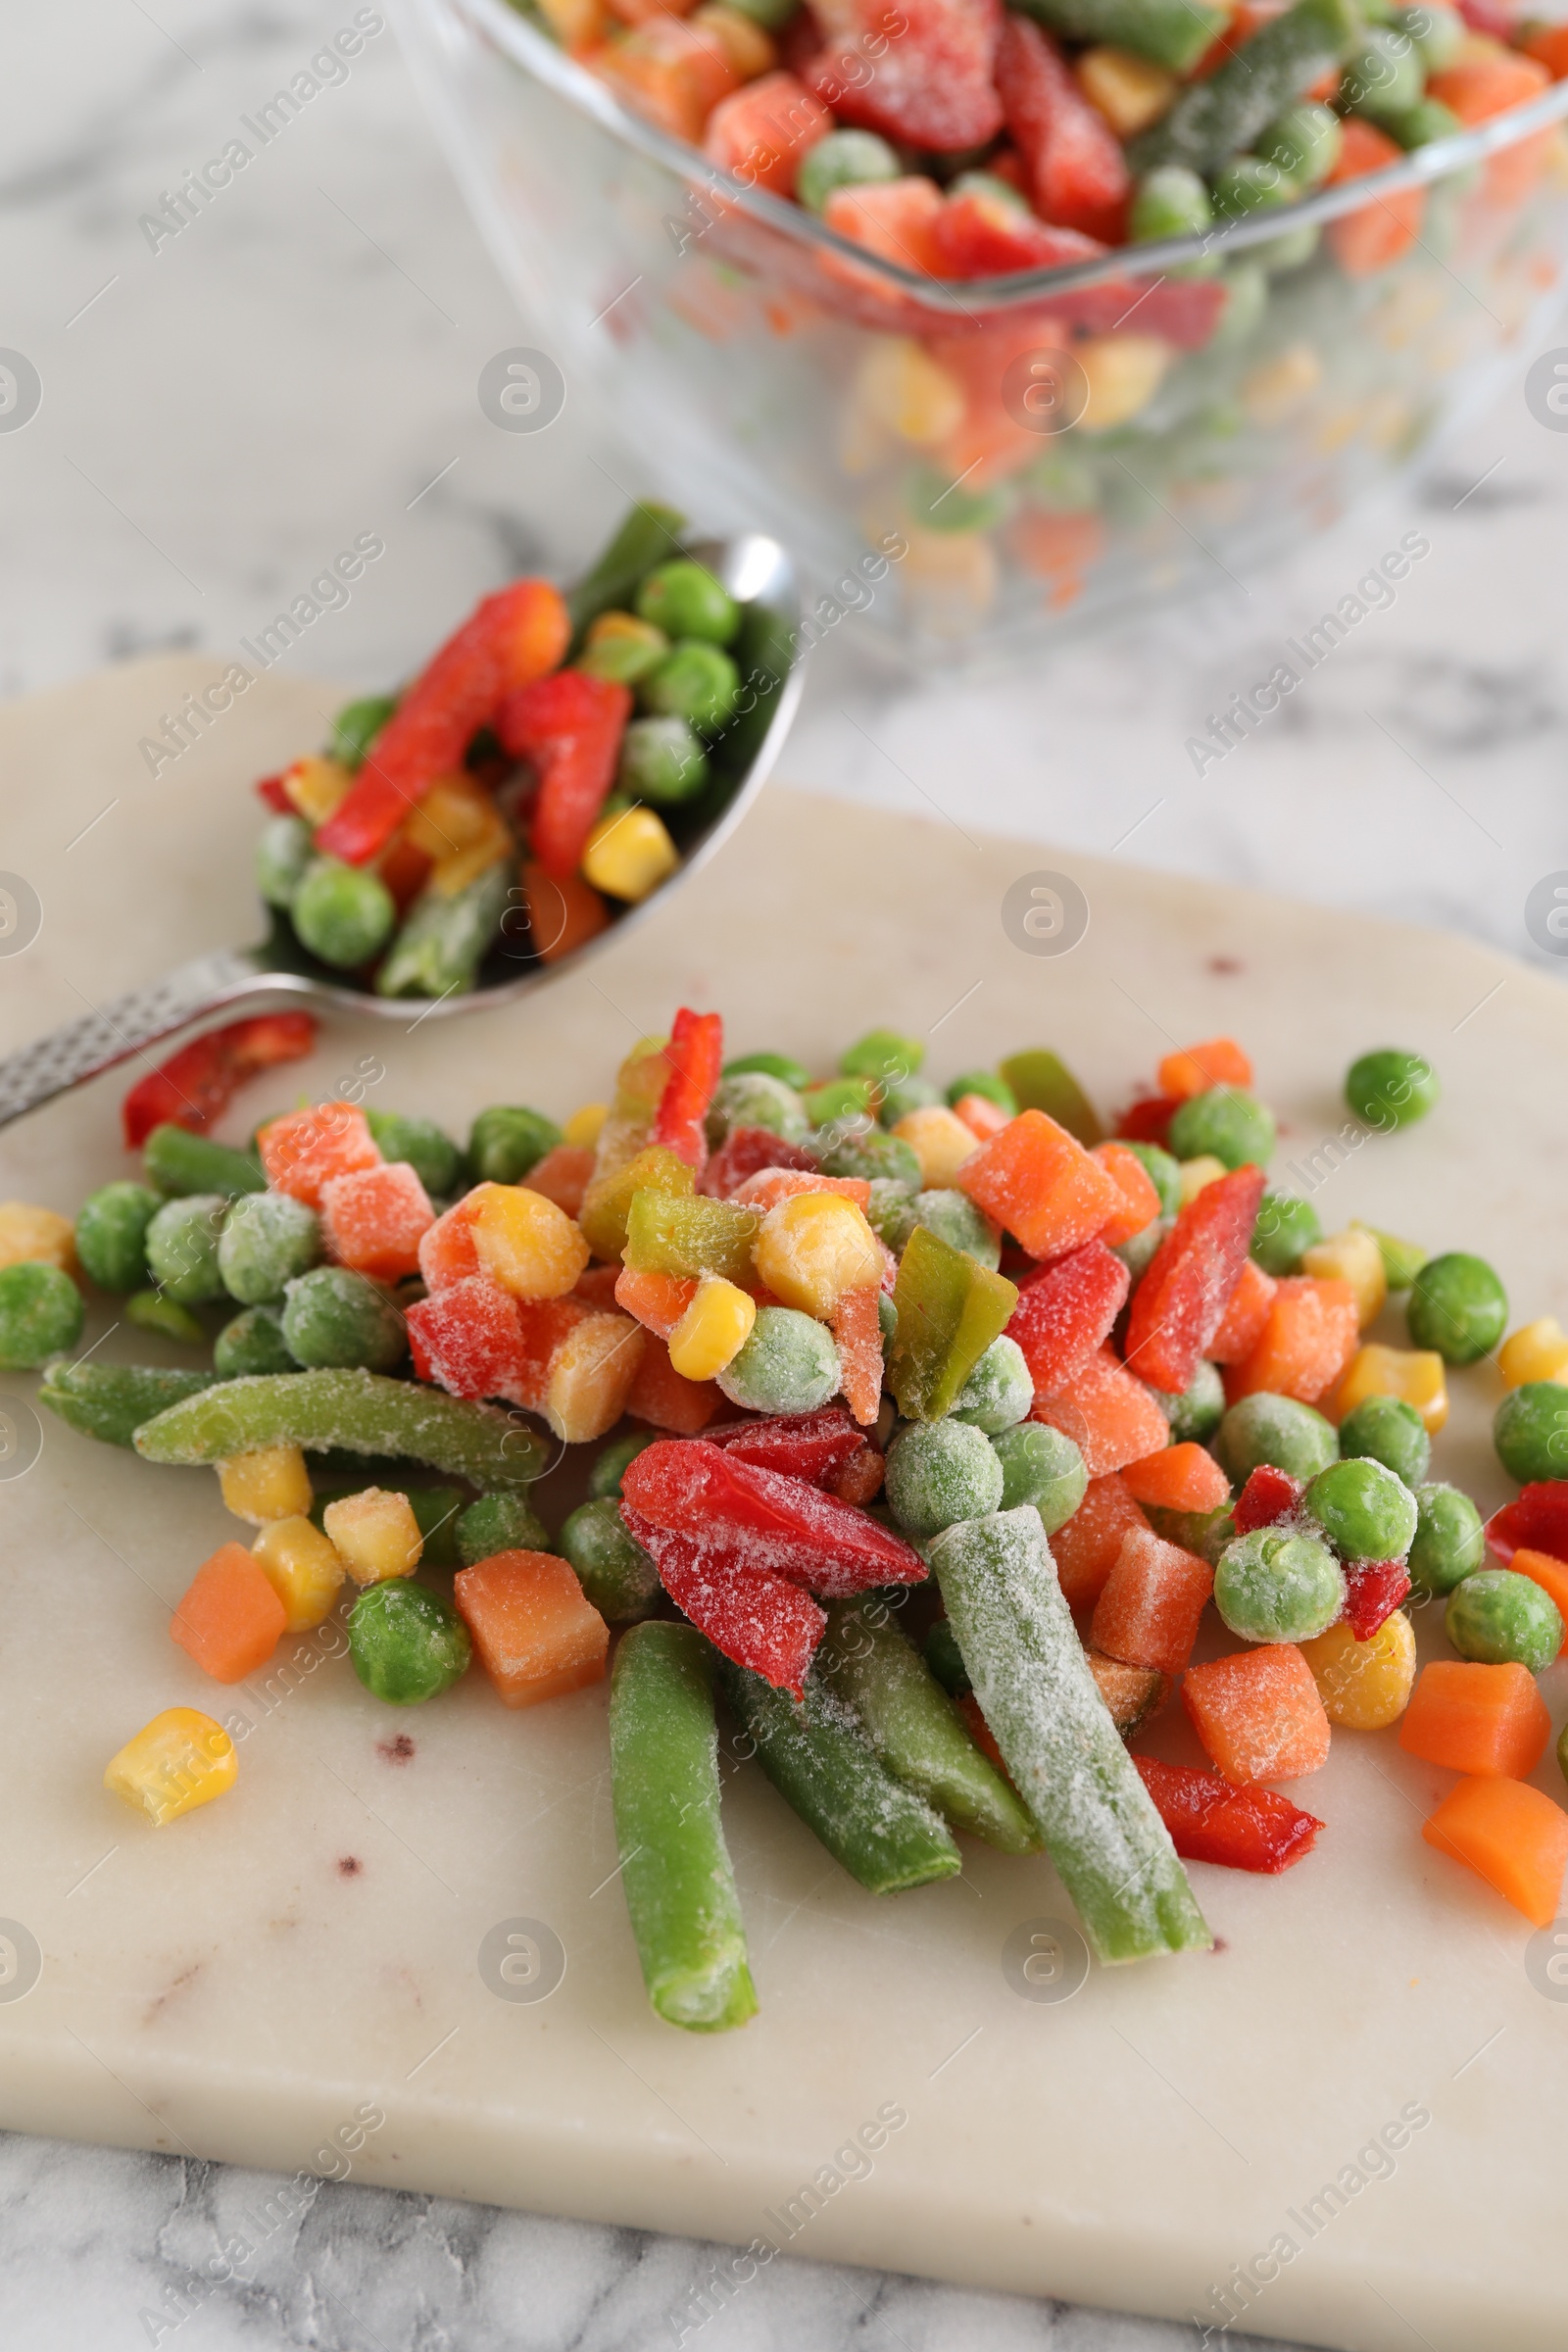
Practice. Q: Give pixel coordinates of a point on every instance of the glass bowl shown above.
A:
(988, 463)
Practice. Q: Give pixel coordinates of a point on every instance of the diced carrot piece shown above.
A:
(770, 1186)
(980, 1115)
(658, 1300)
(1481, 86)
(562, 1176)
(537, 1634)
(590, 1373)
(305, 1149)
(763, 130)
(1378, 233)
(1549, 1574)
(1178, 1478)
(894, 218)
(1038, 1182)
(1311, 1331)
(1547, 44)
(447, 1251)
(665, 1398)
(1087, 1548)
(1258, 1714)
(1477, 1719)
(1059, 548)
(1510, 1836)
(669, 72)
(1110, 1417)
(1153, 1598)
(374, 1219)
(1219, 1062)
(230, 1619)
(1138, 1203)
(563, 914)
(858, 1330)
(1241, 1326)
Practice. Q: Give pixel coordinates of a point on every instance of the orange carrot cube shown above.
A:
(1219, 1062)
(894, 218)
(1178, 1478)
(763, 130)
(980, 1115)
(1549, 1574)
(1258, 1714)
(1241, 1326)
(230, 1620)
(1510, 1836)
(590, 1375)
(1137, 1202)
(858, 1330)
(770, 1186)
(1311, 1332)
(374, 1220)
(305, 1149)
(1152, 1599)
(1088, 1547)
(662, 1396)
(656, 1300)
(1039, 1182)
(1477, 1719)
(447, 1249)
(537, 1634)
(1110, 1417)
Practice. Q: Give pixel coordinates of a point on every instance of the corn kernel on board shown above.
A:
(329, 1943)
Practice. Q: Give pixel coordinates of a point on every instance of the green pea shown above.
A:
(1386, 1429)
(1384, 76)
(1502, 1619)
(508, 1140)
(987, 1085)
(253, 1343)
(112, 1234)
(1164, 1174)
(282, 854)
(356, 727)
(427, 1149)
(499, 1523)
(889, 1212)
(841, 1099)
(755, 1100)
(699, 683)
(1304, 141)
(1403, 1261)
(408, 1644)
(1276, 1588)
(1391, 1088)
(789, 1364)
(618, 1576)
(1530, 1430)
(182, 1242)
(871, 1153)
(1040, 1466)
(662, 762)
(1204, 1534)
(1438, 33)
(611, 1466)
(1266, 1428)
(939, 1472)
(1199, 1411)
(343, 913)
(1226, 1122)
(1138, 1251)
(1449, 1541)
(771, 1065)
(998, 1391)
(954, 1217)
(901, 1096)
(41, 1314)
(1562, 1752)
(334, 1318)
(267, 1239)
(684, 599)
(845, 158)
(625, 654)
(154, 1311)
(882, 1054)
(986, 183)
(1286, 1226)
(1364, 1510)
(1458, 1306)
(1428, 120)
(1169, 202)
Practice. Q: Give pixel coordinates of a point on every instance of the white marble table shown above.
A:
(299, 366)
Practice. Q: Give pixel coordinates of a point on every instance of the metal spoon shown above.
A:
(758, 573)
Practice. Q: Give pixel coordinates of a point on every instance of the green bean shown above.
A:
(444, 941)
(364, 1412)
(1173, 32)
(111, 1401)
(648, 534)
(177, 1161)
(156, 1311)
(1220, 117)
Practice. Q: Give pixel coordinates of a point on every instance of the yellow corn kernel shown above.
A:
(590, 1376)
(814, 1247)
(1274, 392)
(178, 1761)
(314, 787)
(527, 1244)
(630, 855)
(1124, 372)
(1538, 1350)
(745, 44)
(1351, 1256)
(1414, 1373)
(1364, 1684)
(901, 387)
(303, 1568)
(454, 814)
(375, 1534)
(575, 22)
(1131, 93)
(450, 876)
(713, 1331)
(270, 1484)
(940, 1141)
(35, 1237)
(1196, 1173)
(582, 1128)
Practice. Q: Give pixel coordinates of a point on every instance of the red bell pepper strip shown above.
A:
(1536, 1520)
(1078, 176)
(1268, 1494)
(513, 636)
(756, 1618)
(1147, 1121)
(570, 724)
(746, 1152)
(270, 790)
(1373, 1591)
(770, 1521)
(195, 1086)
(815, 1447)
(695, 1054)
(1065, 1311)
(1181, 1300)
(1210, 1821)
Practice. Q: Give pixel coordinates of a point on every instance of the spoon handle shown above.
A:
(113, 1032)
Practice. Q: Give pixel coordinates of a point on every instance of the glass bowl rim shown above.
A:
(504, 28)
